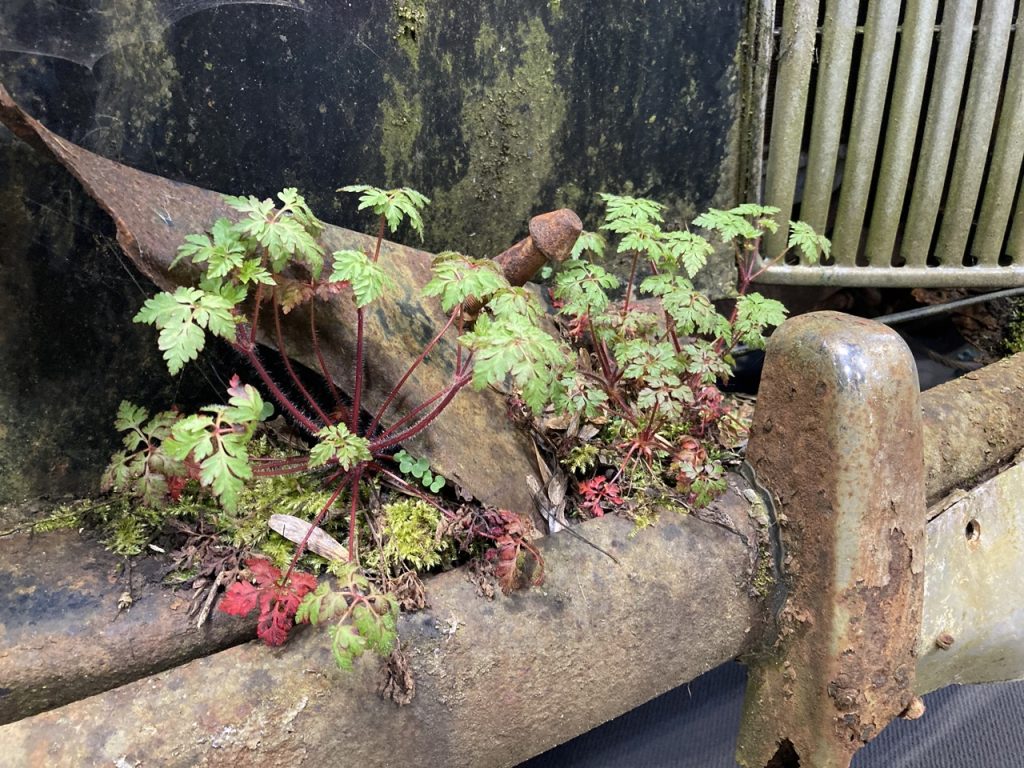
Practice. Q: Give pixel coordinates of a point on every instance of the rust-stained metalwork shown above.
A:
(837, 439)
(972, 630)
(497, 681)
(552, 236)
(471, 443)
(62, 637)
(973, 425)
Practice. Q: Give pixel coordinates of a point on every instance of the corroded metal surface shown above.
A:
(973, 425)
(972, 630)
(471, 443)
(62, 637)
(497, 681)
(837, 439)
(552, 236)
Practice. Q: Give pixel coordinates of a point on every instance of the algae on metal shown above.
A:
(512, 127)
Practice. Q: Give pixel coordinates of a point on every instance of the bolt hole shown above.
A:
(973, 530)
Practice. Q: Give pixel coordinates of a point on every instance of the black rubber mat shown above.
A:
(695, 726)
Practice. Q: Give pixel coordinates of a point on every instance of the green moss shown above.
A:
(411, 16)
(763, 581)
(134, 101)
(1014, 340)
(401, 123)
(410, 534)
(511, 129)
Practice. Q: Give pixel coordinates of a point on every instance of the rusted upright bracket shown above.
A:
(837, 440)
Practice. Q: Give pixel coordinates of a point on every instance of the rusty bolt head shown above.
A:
(555, 233)
(944, 640)
(914, 709)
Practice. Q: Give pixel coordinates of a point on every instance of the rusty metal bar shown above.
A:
(939, 130)
(795, 53)
(62, 636)
(973, 425)
(496, 682)
(983, 97)
(901, 129)
(837, 38)
(837, 439)
(868, 110)
(1005, 170)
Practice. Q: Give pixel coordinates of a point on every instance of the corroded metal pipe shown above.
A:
(497, 681)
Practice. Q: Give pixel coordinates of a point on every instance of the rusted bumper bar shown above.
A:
(497, 681)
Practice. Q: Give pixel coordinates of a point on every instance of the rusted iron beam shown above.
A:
(497, 681)
(62, 636)
(471, 443)
(837, 440)
(973, 425)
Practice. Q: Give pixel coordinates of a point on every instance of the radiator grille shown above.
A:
(897, 128)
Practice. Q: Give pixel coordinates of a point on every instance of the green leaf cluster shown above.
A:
(457, 278)
(362, 618)
(182, 316)
(368, 279)
(338, 444)
(395, 205)
(140, 470)
(420, 469)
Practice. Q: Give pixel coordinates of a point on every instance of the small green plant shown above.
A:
(254, 270)
(650, 363)
(420, 469)
(411, 534)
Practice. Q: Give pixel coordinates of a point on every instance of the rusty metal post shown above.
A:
(837, 440)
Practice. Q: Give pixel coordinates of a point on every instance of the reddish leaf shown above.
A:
(277, 602)
(240, 598)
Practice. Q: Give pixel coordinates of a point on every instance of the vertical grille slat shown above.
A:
(979, 116)
(908, 94)
(898, 135)
(795, 52)
(838, 35)
(1006, 166)
(868, 111)
(940, 128)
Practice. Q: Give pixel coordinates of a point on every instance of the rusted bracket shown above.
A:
(837, 439)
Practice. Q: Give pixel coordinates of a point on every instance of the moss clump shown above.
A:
(410, 534)
(1014, 339)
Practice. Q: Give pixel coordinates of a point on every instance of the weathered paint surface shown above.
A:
(837, 439)
(972, 587)
(497, 681)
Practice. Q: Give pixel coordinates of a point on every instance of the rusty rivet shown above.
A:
(914, 709)
(944, 640)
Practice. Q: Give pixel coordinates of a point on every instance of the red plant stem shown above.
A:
(416, 363)
(294, 469)
(629, 285)
(600, 351)
(323, 363)
(380, 239)
(419, 426)
(353, 520)
(357, 389)
(291, 371)
(275, 391)
(411, 414)
(301, 548)
(670, 325)
(254, 325)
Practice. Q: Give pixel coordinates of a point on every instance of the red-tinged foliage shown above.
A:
(508, 532)
(598, 491)
(175, 485)
(277, 602)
